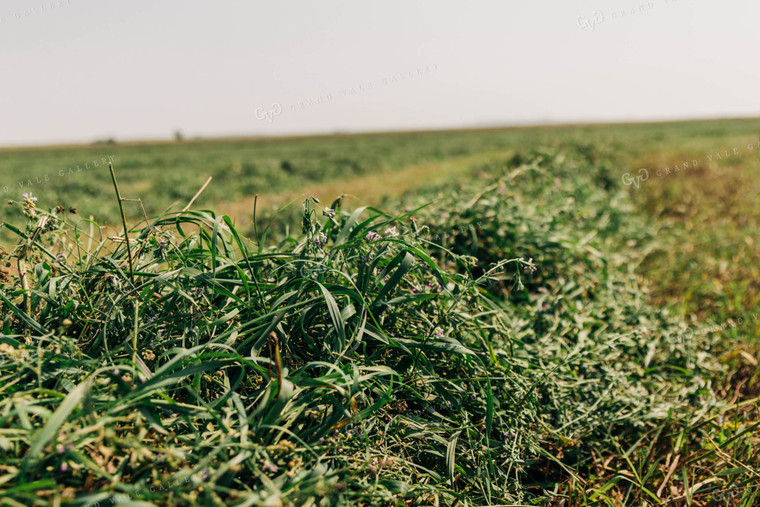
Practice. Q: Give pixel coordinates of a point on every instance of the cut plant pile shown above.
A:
(492, 345)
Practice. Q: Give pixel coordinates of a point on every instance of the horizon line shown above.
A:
(483, 126)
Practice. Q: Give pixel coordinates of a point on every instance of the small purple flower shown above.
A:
(438, 332)
(270, 467)
(391, 231)
(321, 239)
(531, 269)
(60, 448)
(64, 467)
(329, 212)
(372, 236)
(60, 258)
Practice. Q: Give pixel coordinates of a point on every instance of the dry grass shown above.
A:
(370, 189)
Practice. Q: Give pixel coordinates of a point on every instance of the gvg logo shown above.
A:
(680, 338)
(276, 108)
(269, 115)
(598, 17)
(732, 494)
(307, 272)
(629, 180)
(595, 19)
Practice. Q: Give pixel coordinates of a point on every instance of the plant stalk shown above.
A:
(124, 223)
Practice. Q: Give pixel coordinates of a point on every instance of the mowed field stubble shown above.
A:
(557, 315)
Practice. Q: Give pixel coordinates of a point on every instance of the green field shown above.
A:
(162, 173)
(563, 315)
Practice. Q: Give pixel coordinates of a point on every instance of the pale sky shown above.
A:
(81, 70)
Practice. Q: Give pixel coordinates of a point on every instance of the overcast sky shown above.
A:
(80, 70)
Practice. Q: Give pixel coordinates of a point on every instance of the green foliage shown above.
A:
(160, 173)
(492, 344)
